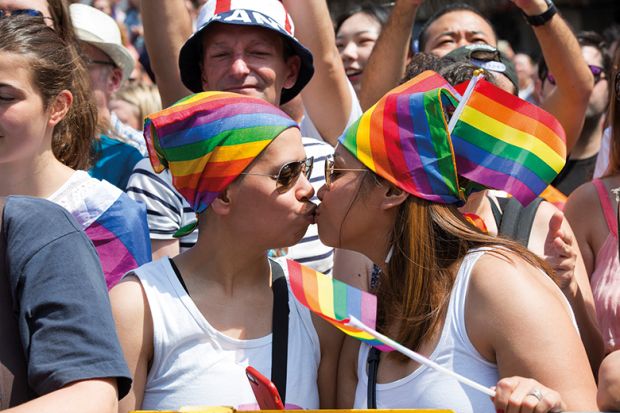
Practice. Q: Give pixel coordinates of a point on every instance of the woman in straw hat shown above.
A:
(471, 302)
(190, 325)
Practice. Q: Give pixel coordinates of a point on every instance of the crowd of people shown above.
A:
(162, 162)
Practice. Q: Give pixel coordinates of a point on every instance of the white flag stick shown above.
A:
(354, 322)
(459, 108)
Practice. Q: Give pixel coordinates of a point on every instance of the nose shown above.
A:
(349, 51)
(239, 67)
(305, 190)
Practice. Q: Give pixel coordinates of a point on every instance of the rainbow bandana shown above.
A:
(493, 139)
(208, 139)
(404, 139)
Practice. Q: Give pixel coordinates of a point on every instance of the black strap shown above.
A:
(515, 221)
(279, 344)
(373, 368)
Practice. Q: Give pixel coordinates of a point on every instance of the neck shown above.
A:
(231, 261)
(40, 177)
(589, 141)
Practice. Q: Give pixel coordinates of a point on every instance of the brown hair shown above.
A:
(613, 117)
(59, 10)
(56, 66)
(429, 242)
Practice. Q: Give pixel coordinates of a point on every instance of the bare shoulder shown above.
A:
(584, 196)
(130, 308)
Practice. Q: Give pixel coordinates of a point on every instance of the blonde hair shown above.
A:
(144, 97)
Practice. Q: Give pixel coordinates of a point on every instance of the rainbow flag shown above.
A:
(335, 301)
(553, 195)
(506, 143)
(404, 139)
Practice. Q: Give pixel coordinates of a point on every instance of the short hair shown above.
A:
(448, 8)
(585, 38)
(379, 12)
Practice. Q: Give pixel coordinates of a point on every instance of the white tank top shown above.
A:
(194, 364)
(425, 388)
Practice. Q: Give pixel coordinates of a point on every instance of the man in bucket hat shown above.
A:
(246, 47)
(109, 64)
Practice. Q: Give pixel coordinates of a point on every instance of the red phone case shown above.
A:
(264, 390)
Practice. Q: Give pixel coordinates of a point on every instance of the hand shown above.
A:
(560, 252)
(520, 395)
(531, 7)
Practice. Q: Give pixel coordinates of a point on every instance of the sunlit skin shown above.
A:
(355, 40)
(247, 60)
(455, 29)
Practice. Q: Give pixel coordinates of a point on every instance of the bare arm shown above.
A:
(503, 317)
(352, 268)
(327, 98)
(568, 101)
(86, 396)
(165, 248)
(561, 251)
(134, 325)
(386, 65)
(167, 25)
(347, 373)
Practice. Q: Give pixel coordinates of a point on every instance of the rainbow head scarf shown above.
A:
(404, 138)
(207, 139)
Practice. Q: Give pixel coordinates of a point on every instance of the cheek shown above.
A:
(363, 53)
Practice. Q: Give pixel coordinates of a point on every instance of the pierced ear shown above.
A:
(60, 107)
(394, 197)
(221, 204)
(294, 65)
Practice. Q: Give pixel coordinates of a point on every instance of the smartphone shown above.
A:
(264, 390)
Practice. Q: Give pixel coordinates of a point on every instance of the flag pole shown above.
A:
(354, 322)
(461, 106)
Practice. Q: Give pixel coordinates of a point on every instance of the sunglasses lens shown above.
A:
(27, 12)
(288, 175)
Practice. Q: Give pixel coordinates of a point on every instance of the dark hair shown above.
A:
(379, 12)
(585, 38)
(56, 66)
(448, 8)
(59, 10)
(614, 116)
(419, 63)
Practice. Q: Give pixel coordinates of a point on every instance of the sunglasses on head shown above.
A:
(289, 173)
(597, 71)
(330, 170)
(20, 12)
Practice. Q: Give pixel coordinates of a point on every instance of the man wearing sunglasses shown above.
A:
(580, 165)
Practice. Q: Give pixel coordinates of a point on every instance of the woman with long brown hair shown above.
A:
(471, 302)
(46, 131)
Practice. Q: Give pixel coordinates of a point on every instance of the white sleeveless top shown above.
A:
(194, 364)
(425, 388)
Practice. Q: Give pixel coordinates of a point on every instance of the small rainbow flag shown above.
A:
(506, 143)
(335, 301)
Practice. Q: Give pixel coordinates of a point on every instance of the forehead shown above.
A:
(222, 33)
(15, 70)
(286, 147)
(460, 20)
(358, 23)
(592, 55)
(40, 5)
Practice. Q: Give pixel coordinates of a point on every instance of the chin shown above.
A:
(329, 238)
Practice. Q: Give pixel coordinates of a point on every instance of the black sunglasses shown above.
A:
(91, 62)
(289, 173)
(20, 12)
(597, 71)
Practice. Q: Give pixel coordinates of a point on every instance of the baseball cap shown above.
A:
(268, 14)
(485, 57)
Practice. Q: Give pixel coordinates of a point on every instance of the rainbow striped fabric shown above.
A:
(335, 301)
(506, 143)
(208, 139)
(404, 138)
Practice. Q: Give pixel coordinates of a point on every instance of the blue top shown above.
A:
(114, 161)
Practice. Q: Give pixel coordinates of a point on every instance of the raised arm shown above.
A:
(386, 65)
(328, 97)
(167, 25)
(568, 101)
